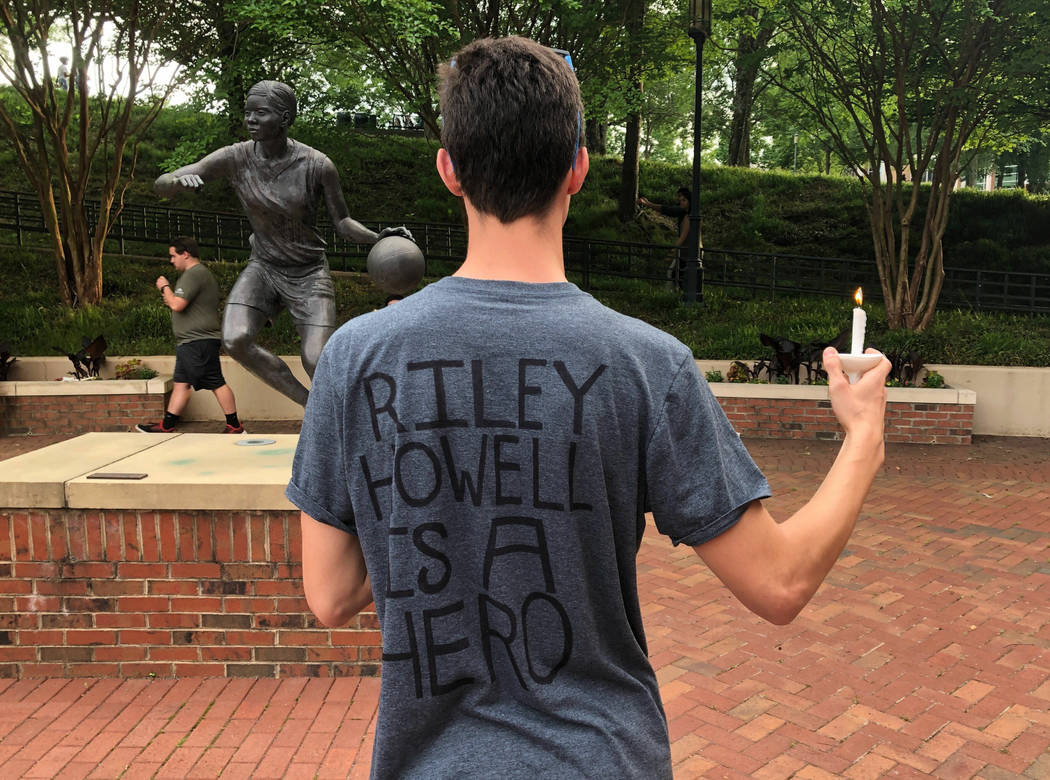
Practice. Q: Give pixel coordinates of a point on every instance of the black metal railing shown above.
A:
(593, 262)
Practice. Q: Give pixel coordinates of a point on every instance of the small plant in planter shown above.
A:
(933, 379)
(714, 376)
(132, 368)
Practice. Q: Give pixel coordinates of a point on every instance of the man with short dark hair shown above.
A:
(194, 304)
(477, 460)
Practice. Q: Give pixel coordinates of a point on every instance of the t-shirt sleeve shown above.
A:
(188, 285)
(318, 485)
(700, 477)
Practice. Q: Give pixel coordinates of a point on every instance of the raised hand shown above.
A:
(860, 408)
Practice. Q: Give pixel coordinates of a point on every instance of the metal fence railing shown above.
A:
(593, 262)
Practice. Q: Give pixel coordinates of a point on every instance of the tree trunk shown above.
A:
(743, 104)
(80, 261)
(596, 136)
(634, 21)
(629, 171)
(746, 64)
(233, 82)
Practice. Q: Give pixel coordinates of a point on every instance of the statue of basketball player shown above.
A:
(279, 182)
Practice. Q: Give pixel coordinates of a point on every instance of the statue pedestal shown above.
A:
(194, 569)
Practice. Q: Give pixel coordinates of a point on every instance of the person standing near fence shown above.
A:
(194, 304)
(280, 183)
(62, 75)
(478, 458)
(682, 244)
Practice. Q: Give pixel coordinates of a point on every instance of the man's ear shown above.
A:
(447, 173)
(579, 170)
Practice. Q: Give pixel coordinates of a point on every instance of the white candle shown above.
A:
(860, 321)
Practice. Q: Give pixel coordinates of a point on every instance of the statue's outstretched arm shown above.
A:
(192, 176)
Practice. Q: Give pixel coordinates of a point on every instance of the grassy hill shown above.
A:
(389, 178)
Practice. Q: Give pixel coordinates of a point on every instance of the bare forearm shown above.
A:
(816, 534)
(342, 600)
(335, 578)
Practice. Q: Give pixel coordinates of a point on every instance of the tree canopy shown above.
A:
(69, 138)
(893, 92)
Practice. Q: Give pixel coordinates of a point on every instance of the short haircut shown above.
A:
(186, 244)
(511, 113)
(278, 95)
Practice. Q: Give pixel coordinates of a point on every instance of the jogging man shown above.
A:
(194, 304)
(483, 478)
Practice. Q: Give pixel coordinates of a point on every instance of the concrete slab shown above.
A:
(193, 471)
(38, 478)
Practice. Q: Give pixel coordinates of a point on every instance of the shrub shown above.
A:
(714, 376)
(132, 368)
(933, 379)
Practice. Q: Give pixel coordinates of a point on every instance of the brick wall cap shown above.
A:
(159, 385)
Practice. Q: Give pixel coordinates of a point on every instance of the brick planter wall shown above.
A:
(125, 593)
(42, 407)
(43, 414)
(908, 421)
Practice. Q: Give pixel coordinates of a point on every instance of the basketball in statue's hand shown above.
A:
(396, 265)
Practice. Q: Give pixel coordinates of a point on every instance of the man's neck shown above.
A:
(526, 250)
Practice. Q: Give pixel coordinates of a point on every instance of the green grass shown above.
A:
(727, 326)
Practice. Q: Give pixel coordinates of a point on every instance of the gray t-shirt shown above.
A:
(200, 319)
(493, 445)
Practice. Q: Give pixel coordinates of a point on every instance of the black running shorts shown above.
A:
(197, 364)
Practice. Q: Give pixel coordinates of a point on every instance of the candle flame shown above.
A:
(858, 296)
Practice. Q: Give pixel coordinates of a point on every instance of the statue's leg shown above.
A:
(240, 324)
(314, 337)
(251, 302)
(313, 310)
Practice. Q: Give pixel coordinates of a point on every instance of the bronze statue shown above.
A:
(279, 182)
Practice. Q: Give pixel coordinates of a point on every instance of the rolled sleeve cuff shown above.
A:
(308, 504)
(722, 524)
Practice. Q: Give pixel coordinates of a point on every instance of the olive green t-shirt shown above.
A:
(200, 319)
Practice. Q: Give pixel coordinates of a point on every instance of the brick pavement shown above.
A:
(926, 654)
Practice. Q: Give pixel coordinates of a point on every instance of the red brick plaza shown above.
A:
(926, 654)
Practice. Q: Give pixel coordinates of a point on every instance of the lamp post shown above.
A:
(699, 30)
